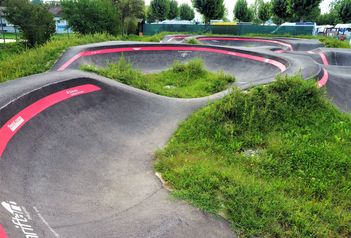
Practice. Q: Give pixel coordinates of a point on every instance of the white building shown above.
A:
(5, 26)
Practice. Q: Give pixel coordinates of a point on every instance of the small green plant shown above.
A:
(275, 161)
(193, 41)
(189, 79)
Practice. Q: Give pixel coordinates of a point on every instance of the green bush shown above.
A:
(34, 20)
(275, 161)
(90, 16)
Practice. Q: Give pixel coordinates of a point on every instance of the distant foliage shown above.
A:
(327, 19)
(90, 16)
(130, 11)
(343, 9)
(159, 9)
(149, 15)
(173, 10)
(186, 12)
(210, 9)
(303, 8)
(242, 12)
(264, 11)
(280, 9)
(35, 21)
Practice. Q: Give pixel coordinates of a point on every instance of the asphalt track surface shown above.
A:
(77, 149)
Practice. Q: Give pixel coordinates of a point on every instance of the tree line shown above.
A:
(122, 16)
(292, 11)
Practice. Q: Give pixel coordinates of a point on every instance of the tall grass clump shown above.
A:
(193, 41)
(189, 79)
(274, 161)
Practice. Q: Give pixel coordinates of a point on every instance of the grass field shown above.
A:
(184, 80)
(274, 161)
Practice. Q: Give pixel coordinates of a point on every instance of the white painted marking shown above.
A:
(45, 222)
(15, 124)
(19, 218)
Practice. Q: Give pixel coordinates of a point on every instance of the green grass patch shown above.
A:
(9, 49)
(10, 36)
(275, 161)
(184, 80)
(193, 41)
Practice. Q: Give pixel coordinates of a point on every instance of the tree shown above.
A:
(343, 9)
(327, 19)
(173, 9)
(130, 11)
(242, 12)
(159, 9)
(35, 21)
(264, 11)
(280, 9)
(210, 9)
(149, 16)
(91, 16)
(186, 12)
(302, 8)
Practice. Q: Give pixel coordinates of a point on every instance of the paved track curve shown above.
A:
(76, 149)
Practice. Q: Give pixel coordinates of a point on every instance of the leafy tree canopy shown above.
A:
(303, 8)
(264, 11)
(186, 12)
(38, 24)
(210, 9)
(159, 9)
(173, 9)
(90, 16)
(242, 11)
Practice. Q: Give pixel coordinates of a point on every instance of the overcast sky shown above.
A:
(230, 5)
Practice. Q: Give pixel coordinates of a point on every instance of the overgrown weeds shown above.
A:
(274, 161)
(184, 80)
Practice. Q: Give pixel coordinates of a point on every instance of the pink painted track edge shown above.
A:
(12, 126)
(276, 63)
(2, 232)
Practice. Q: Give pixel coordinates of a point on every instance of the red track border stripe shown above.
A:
(11, 127)
(2, 232)
(324, 58)
(323, 81)
(247, 39)
(281, 66)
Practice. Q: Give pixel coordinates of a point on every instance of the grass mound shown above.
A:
(185, 80)
(274, 161)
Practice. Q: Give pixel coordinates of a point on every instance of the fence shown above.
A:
(151, 29)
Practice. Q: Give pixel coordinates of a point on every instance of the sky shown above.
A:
(231, 3)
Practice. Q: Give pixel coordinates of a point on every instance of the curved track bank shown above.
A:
(76, 148)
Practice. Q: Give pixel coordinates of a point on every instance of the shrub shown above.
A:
(34, 20)
(91, 16)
